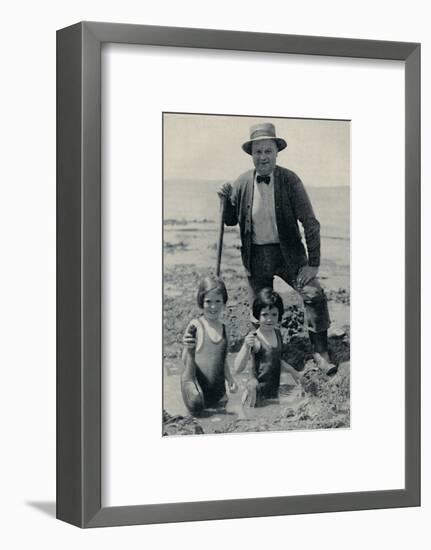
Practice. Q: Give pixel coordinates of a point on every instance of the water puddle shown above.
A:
(214, 420)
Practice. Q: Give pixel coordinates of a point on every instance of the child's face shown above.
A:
(213, 304)
(268, 317)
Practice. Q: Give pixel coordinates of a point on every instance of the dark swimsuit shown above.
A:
(210, 361)
(266, 365)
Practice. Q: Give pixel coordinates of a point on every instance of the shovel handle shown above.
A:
(220, 234)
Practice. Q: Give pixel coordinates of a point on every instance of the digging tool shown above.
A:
(220, 234)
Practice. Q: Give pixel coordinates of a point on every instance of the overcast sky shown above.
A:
(209, 147)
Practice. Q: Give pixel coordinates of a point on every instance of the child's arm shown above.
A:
(232, 385)
(251, 345)
(293, 372)
(242, 358)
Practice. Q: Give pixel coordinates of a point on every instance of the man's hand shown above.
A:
(225, 190)
(189, 342)
(189, 338)
(306, 274)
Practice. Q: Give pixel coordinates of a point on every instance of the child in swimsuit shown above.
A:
(265, 348)
(203, 382)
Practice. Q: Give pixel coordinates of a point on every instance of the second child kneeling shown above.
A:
(264, 347)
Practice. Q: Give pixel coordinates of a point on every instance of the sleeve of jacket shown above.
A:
(230, 209)
(305, 214)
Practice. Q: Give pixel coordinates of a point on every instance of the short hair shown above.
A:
(267, 298)
(210, 283)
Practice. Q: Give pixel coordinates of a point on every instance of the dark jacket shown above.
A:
(291, 205)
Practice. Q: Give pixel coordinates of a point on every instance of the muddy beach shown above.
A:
(320, 402)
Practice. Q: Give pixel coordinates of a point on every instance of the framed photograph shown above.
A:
(238, 253)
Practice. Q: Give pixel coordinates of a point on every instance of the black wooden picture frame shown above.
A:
(79, 393)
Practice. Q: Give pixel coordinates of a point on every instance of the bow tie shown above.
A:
(264, 179)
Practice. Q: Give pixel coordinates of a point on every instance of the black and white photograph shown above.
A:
(256, 274)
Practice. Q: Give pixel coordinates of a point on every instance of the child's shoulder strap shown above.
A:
(279, 338)
(201, 325)
(201, 331)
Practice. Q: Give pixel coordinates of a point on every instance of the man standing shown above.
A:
(267, 203)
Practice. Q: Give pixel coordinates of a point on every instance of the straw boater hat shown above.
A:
(264, 130)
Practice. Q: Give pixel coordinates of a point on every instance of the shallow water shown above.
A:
(215, 419)
(197, 199)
